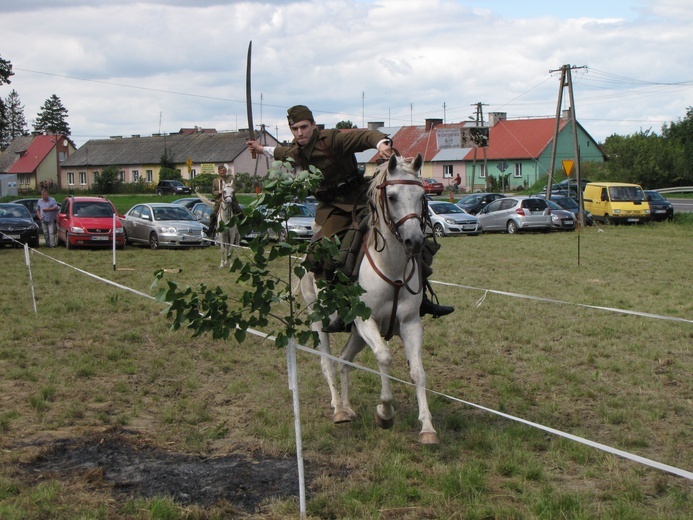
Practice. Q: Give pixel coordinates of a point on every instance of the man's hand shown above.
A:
(385, 149)
(254, 146)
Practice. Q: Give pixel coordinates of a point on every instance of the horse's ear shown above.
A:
(392, 163)
(418, 162)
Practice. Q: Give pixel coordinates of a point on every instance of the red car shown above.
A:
(432, 186)
(88, 221)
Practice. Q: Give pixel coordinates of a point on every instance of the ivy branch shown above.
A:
(205, 310)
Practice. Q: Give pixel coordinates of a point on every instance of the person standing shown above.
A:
(47, 210)
(343, 192)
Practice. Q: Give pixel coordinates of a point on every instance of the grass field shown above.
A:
(98, 361)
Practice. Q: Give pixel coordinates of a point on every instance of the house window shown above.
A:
(517, 170)
(150, 175)
(62, 156)
(71, 178)
(193, 173)
(447, 171)
(121, 174)
(482, 171)
(135, 175)
(83, 178)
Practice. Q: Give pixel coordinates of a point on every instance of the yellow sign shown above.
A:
(568, 166)
(189, 163)
(207, 168)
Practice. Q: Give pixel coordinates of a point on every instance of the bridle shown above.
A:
(394, 229)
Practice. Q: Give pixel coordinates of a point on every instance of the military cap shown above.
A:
(299, 113)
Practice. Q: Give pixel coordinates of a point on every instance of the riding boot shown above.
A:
(337, 323)
(433, 308)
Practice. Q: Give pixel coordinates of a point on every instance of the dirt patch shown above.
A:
(131, 468)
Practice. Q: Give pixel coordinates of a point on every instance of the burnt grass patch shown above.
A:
(131, 468)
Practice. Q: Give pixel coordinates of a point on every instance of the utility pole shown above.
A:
(479, 121)
(566, 81)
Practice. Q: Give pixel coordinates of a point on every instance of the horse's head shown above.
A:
(398, 202)
(227, 191)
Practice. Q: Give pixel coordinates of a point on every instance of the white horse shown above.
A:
(228, 237)
(391, 276)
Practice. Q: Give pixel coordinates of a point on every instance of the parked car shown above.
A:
(88, 221)
(474, 202)
(514, 214)
(188, 202)
(562, 219)
(17, 226)
(432, 186)
(569, 204)
(660, 208)
(30, 204)
(172, 188)
(162, 225)
(202, 212)
(311, 202)
(299, 224)
(616, 202)
(449, 219)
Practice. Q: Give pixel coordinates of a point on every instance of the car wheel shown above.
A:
(67, 241)
(125, 237)
(438, 230)
(153, 241)
(511, 227)
(34, 242)
(159, 193)
(608, 221)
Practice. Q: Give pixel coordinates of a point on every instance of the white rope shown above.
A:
(587, 442)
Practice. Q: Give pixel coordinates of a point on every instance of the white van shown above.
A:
(615, 202)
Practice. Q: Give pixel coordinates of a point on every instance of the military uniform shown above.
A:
(344, 188)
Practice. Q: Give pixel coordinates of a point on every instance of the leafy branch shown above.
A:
(266, 295)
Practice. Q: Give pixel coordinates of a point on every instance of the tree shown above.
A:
(345, 124)
(108, 181)
(5, 73)
(15, 123)
(53, 117)
(679, 137)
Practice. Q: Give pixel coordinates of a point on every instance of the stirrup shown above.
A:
(433, 307)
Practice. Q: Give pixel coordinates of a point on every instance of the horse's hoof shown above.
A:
(341, 417)
(428, 438)
(385, 424)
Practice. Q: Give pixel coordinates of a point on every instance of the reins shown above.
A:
(394, 229)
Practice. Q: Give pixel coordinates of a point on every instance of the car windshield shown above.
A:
(14, 211)
(470, 199)
(654, 195)
(172, 213)
(92, 209)
(623, 193)
(298, 210)
(445, 207)
(553, 205)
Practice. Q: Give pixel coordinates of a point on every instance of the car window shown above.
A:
(92, 209)
(146, 212)
(17, 211)
(534, 204)
(445, 207)
(493, 206)
(506, 203)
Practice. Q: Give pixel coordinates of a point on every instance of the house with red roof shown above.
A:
(519, 149)
(35, 160)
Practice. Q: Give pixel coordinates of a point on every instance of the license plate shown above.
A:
(660, 211)
(633, 220)
(16, 237)
(100, 238)
(468, 228)
(190, 238)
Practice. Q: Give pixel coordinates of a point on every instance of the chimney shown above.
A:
(374, 125)
(431, 123)
(496, 117)
(565, 114)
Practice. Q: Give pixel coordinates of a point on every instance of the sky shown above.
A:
(142, 67)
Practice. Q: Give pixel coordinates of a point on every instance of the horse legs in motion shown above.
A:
(392, 280)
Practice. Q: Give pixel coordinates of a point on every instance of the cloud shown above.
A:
(118, 67)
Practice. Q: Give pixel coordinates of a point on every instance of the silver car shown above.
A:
(513, 214)
(163, 225)
(298, 220)
(449, 219)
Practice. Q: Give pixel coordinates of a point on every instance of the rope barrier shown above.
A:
(602, 447)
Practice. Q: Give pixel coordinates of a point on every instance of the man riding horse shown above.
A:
(343, 191)
(217, 191)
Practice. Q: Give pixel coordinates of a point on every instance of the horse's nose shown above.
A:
(413, 247)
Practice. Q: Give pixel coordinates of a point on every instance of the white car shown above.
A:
(163, 225)
(449, 219)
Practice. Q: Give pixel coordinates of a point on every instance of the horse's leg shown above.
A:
(384, 412)
(309, 291)
(353, 346)
(412, 337)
